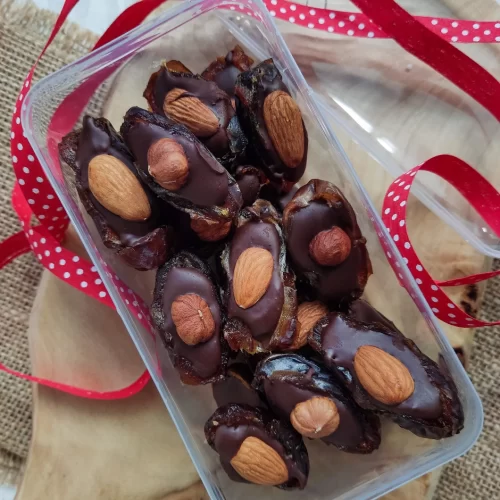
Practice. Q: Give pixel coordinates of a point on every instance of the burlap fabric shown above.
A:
(23, 32)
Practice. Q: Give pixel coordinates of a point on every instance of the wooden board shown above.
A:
(130, 449)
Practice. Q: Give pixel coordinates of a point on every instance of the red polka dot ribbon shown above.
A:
(425, 37)
(482, 196)
(362, 24)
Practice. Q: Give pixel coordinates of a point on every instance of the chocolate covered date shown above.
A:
(273, 123)
(260, 297)
(201, 106)
(325, 245)
(224, 70)
(188, 316)
(386, 372)
(179, 169)
(237, 388)
(128, 216)
(255, 447)
(301, 391)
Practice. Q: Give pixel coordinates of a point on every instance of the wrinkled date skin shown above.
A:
(289, 379)
(225, 139)
(237, 387)
(210, 195)
(316, 207)
(230, 425)
(252, 89)
(143, 245)
(433, 410)
(269, 324)
(224, 70)
(187, 274)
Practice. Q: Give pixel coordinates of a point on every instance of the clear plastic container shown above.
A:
(181, 33)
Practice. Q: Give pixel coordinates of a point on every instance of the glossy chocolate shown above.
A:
(210, 195)
(184, 274)
(433, 410)
(224, 70)
(252, 87)
(318, 206)
(271, 321)
(363, 311)
(144, 244)
(230, 425)
(237, 388)
(289, 379)
(250, 180)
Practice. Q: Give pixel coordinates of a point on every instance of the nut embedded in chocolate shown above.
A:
(188, 316)
(305, 393)
(129, 218)
(386, 372)
(260, 296)
(209, 194)
(255, 447)
(250, 181)
(273, 123)
(308, 314)
(224, 70)
(167, 164)
(316, 223)
(201, 106)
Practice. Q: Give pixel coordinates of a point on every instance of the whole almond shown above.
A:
(167, 164)
(252, 274)
(192, 319)
(315, 418)
(191, 112)
(210, 229)
(308, 314)
(117, 189)
(258, 463)
(382, 375)
(330, 247)
(283, 121)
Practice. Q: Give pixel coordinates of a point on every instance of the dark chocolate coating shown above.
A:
(230, 425)
(289, 379)
(363, 311)
(228, 142)
(252, 88)
(142, 244)
(224, 70)
(270, 323)
(210, 195)
(183, 274)
(433, 410)
(250, 180)
(237, 388)
(317, 206)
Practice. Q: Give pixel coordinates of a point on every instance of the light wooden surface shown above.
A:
(130, 449)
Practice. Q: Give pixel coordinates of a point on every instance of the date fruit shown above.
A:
(273, 123)
(200, 105)
(303, 392)
(188, 316)
(224, 70)
(260, 296)
(325, 244)
(130, 219)
(257, 448)
(386, 372)
(180, 170)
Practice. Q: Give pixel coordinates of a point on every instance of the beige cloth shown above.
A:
(24, 30)
(22, 35)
